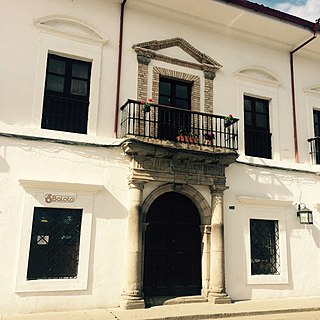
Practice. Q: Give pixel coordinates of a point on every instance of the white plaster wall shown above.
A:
(21, 159)
(302, 241)
(233, 53)
(44, 161)
(22, 57)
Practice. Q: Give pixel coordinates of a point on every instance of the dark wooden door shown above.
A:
(174, 93)
(172, 247)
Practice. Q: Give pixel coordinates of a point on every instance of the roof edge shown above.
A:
(260, 8)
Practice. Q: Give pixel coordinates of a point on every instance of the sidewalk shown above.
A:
(184, 311)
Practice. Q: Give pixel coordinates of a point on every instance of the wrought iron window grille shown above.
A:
(265, 251)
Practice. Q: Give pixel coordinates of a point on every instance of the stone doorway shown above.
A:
(172, 255)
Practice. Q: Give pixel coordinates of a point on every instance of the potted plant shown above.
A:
(146, 104)
(193, 138)
(228, 120)
(182, 135)
(208, 138)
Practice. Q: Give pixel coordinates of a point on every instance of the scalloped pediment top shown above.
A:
(71, 28)
(157, 45)
(313, 90)
(258, 74)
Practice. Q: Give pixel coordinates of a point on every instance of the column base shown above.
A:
(219, 298)
(131, 303)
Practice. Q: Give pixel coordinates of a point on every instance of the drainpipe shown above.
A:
(115, 128)
(315, 30)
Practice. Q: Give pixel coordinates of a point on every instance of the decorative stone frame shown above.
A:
(195, 80)
(205, 213)
(147, 51)
(186, 190)
(177, 170)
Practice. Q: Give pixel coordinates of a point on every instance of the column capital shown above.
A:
(142, 59)
(136, 184)
(210, 75)
(219, 190)
(205, 229)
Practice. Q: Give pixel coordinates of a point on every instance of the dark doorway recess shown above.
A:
(172, 265)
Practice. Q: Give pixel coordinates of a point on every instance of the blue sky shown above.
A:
(307, 9)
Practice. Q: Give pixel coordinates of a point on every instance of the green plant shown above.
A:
(146, 104)
(182, 131)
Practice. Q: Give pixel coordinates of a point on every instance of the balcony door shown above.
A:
(177, 94)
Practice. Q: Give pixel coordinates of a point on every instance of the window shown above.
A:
(316, 147)
(66, 96)
(264, 247)
(174, 93)
(257, 130)
(54, 245)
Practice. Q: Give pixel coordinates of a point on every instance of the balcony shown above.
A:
(182, 128)
(315, 150)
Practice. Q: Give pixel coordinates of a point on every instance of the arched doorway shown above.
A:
(172, 263)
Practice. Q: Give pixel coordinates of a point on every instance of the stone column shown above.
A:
(132, 294)
(217, 291)
(205, 259)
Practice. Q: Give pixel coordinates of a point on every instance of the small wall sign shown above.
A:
(49, 197)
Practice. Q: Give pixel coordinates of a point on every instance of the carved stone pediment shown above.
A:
(151, 50)
(158, 163)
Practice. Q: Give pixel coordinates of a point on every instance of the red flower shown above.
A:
(142, 102)
(149, 100)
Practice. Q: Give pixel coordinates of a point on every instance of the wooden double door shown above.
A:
(172, 264)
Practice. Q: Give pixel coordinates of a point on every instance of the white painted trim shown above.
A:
(266, 212)
(270, 93)
(62, 25)
(35, 192)
(55, 185)
(71, 49)
(266, 77)
(244, 200)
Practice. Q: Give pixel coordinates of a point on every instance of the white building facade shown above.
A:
(104, 203)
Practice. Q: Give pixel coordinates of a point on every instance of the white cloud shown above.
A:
(309, 11)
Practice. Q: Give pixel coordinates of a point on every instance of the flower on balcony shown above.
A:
(146, 104)
(209, 136)
(228, 120)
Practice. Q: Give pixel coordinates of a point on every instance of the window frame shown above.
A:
(69, 48)
(254, 129)
(51, 119)
(275, 255)
(265, 209)
(51, 235)
(35, 196)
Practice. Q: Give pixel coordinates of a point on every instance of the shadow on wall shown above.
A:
(4, 167)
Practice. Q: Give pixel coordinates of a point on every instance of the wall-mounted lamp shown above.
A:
(305, 214)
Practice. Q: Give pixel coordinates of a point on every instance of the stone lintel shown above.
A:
(157, 163)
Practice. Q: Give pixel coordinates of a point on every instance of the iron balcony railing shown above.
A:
(315, 150)
(178, 125)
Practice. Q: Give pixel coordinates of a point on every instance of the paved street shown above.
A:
(312, 315)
